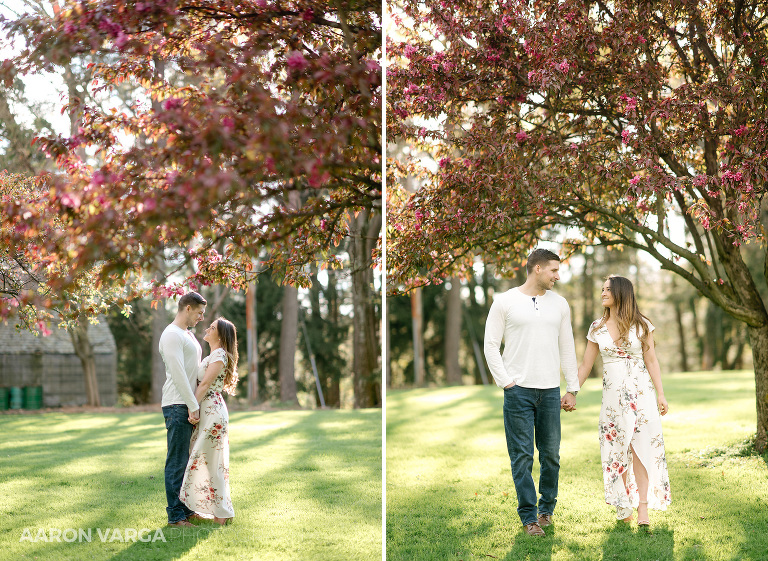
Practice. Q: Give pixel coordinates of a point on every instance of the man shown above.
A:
(535, 325)
(181, 354)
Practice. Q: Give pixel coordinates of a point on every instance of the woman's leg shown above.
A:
(641, 478)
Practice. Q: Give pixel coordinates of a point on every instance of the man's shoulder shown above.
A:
(559, 299)
(506, 296)
(172, 333)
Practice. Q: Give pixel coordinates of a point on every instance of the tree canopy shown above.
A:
(266, 135)
(629, 123)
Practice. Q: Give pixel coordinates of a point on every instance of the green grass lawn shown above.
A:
(306, 485)
(450, 493)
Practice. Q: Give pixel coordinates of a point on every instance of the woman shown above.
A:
(631, 442)
(205, 488)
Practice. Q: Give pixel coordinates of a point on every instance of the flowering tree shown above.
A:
(634, 123)
(277, 98)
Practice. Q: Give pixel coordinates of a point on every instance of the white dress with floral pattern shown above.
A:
(205, 488)
(629, 415)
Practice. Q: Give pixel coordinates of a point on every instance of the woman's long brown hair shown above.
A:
(627, 312)
(228, 335)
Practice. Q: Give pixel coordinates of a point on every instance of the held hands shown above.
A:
(194, 417)
(568, 402)
(663, 406)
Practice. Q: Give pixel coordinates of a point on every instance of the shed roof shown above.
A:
(20, 341)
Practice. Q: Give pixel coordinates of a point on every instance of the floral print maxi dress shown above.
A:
(205, 488)
(629, 415)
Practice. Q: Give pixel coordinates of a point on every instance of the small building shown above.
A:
(51, 362)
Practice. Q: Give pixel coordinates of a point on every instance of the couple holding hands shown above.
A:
(196, 417)
(535, 325)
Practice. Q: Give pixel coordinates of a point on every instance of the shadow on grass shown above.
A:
(431, 524)
(623, 542)
(106, 540)
(529, 547)
(314, 439)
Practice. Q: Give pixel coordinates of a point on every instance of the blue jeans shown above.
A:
(178, 436)
(533, 415)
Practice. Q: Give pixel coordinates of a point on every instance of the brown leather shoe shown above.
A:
(181, 523)
(196, 518)
(534, 530)
(545, 520)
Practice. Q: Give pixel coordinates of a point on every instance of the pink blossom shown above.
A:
(43, 328)
(563, 66)
(121, 40)
(149, 204)
(70, 200)
(631, 103)
(625, 136)
(522, 136)
(641, 39)
(738, 132)
(172, 103)
(297, 61)
(228, 123)
(308, 15)
(635, 180)
(98, 179)
(409, 51)
(444, 162)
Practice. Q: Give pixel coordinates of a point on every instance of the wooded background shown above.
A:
(691, 333)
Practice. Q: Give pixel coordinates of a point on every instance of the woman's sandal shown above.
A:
(643, 522)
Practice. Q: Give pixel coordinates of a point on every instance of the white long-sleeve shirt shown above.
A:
(538, 341)
(181, 354)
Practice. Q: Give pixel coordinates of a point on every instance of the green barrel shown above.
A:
(33, 397)
(3, 399)
(16, 400)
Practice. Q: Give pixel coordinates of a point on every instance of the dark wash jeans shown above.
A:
(178, 436)
(533, 415)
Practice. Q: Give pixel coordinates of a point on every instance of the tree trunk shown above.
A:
(84, 351)
(681, 336)
(758, 339)
(367, 387)
(453, 333)
(289, 330)
(588, 293)
(681, 333)
(333, 397)
(252, 343)
(417, 320)
(159, 323)
(474, 314)
(388, 349)
(696, 333)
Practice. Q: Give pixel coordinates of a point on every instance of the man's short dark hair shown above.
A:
(191, 299)
(540, 257)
